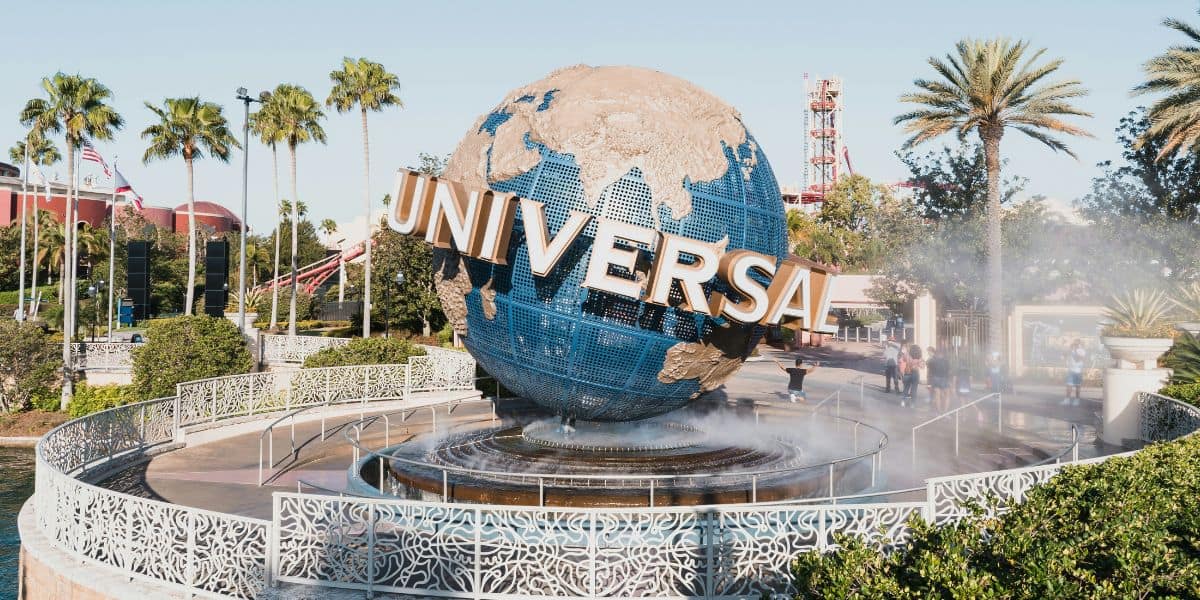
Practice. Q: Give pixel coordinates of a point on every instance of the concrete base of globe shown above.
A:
(1121, 414)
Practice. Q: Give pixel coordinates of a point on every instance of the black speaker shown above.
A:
(216, 276)
(137, 278)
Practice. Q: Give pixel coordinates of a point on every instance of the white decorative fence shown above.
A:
(111, 356)
(293, 349)
(441, 549)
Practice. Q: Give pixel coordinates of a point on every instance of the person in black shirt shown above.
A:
(796, 376)
(938, 367)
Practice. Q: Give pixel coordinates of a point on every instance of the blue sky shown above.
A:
(456, 60)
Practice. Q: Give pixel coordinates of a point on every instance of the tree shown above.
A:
(416, 300)
(370, 87)
(185, 349)
(78, 107)
(329, 227)
(266, 125)
(28, 362)
(989, 87)
(953, 181)
(1175, 118)
(365, 351)
(188, 127)
(299, 116)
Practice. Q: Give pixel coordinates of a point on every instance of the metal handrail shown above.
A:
(874, 454)
(837, 393)
(955, 412)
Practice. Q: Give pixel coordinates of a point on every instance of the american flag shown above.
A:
(89, 153)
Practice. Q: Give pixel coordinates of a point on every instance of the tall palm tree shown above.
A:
(265, 124)
(77, 106)
(299, 122)
(370, 87)
(1176, 72)
(188, 127)
(329, 227)
(988, 87)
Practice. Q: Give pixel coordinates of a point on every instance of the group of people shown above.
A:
(902, 365)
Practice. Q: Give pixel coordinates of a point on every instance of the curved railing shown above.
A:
(434, 548)
(103, 356)
(648, 482)
(293, 349)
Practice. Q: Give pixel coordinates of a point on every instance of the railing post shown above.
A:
(213, 411)
(327, 395)
(999, 413)
(651, 493)
(541, 492)
(754, 488)
(830, 480)
(407, 380)
(371, 553)
(445, 485)
(175, 418)
(956, 413)
(190, 568)
(250, 398)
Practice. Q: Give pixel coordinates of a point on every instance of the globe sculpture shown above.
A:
(623, 143)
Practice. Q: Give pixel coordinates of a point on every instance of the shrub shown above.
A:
(368, 351)
(306, 309)
(1125, 528)
(1187, 392)
(30, 363)
(1184, 359)
(95, 398)
(1141, 313)
(186, 348)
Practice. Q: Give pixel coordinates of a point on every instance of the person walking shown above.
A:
(1075, 365)
(939, 380)
(891, 365)
(796, 376)
(912, 374)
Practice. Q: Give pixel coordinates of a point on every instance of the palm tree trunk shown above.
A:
(295, 246)
(366, 309)
(191, 201)
(995, 265)
(67, 389)
(278, 225)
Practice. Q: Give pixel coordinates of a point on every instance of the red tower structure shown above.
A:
(823, 148)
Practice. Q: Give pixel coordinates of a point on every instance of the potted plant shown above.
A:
(1139, 329)
(253, 297)
(1187, 305)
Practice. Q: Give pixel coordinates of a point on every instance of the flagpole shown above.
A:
(24, 221)
(112, 249)
(34, 300)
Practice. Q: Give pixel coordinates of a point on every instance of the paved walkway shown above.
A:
(223, 475)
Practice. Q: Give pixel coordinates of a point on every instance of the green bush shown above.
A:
(1187, 392)
(445, 335)
(95, 398)
(30, 363)
(369, 351)
(1124, 528)
(184, 349)
(1184, 359)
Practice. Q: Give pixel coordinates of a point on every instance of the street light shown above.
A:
(387, 304)
(94, 291)
(246, 100)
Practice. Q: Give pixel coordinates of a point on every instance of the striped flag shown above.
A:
(89, 153)
(122, 186)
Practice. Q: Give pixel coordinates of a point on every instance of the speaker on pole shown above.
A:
(216, 278)
(137, 278)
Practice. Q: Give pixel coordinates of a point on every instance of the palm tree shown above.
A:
(795, 226)
(53, 249)
(299, 116)
(989, 86)
(1176, 72)
(265, 124)
(329, 227)
(78, 107)
(370, 87)
(188, 127)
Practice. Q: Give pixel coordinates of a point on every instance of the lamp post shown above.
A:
(387, 304)
(246, 100)
(94, 291)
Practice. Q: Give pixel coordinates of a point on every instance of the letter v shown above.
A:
(543, 254)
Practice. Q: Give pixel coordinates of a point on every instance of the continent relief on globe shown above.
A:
(649, 227)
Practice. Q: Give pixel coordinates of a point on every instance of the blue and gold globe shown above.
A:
(622, 143)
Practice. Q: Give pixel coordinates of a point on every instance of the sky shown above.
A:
(456, 60)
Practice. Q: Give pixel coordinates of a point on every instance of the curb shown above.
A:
(18, 442)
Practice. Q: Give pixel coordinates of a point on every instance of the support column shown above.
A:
(1122, 416)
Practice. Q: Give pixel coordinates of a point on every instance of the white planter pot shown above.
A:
(1192, 327)
(1143, 352)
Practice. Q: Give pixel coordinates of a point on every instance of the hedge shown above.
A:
(368, 351)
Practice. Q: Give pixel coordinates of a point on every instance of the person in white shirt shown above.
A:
(891, 362)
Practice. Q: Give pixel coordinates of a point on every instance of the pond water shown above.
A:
(16, 485)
